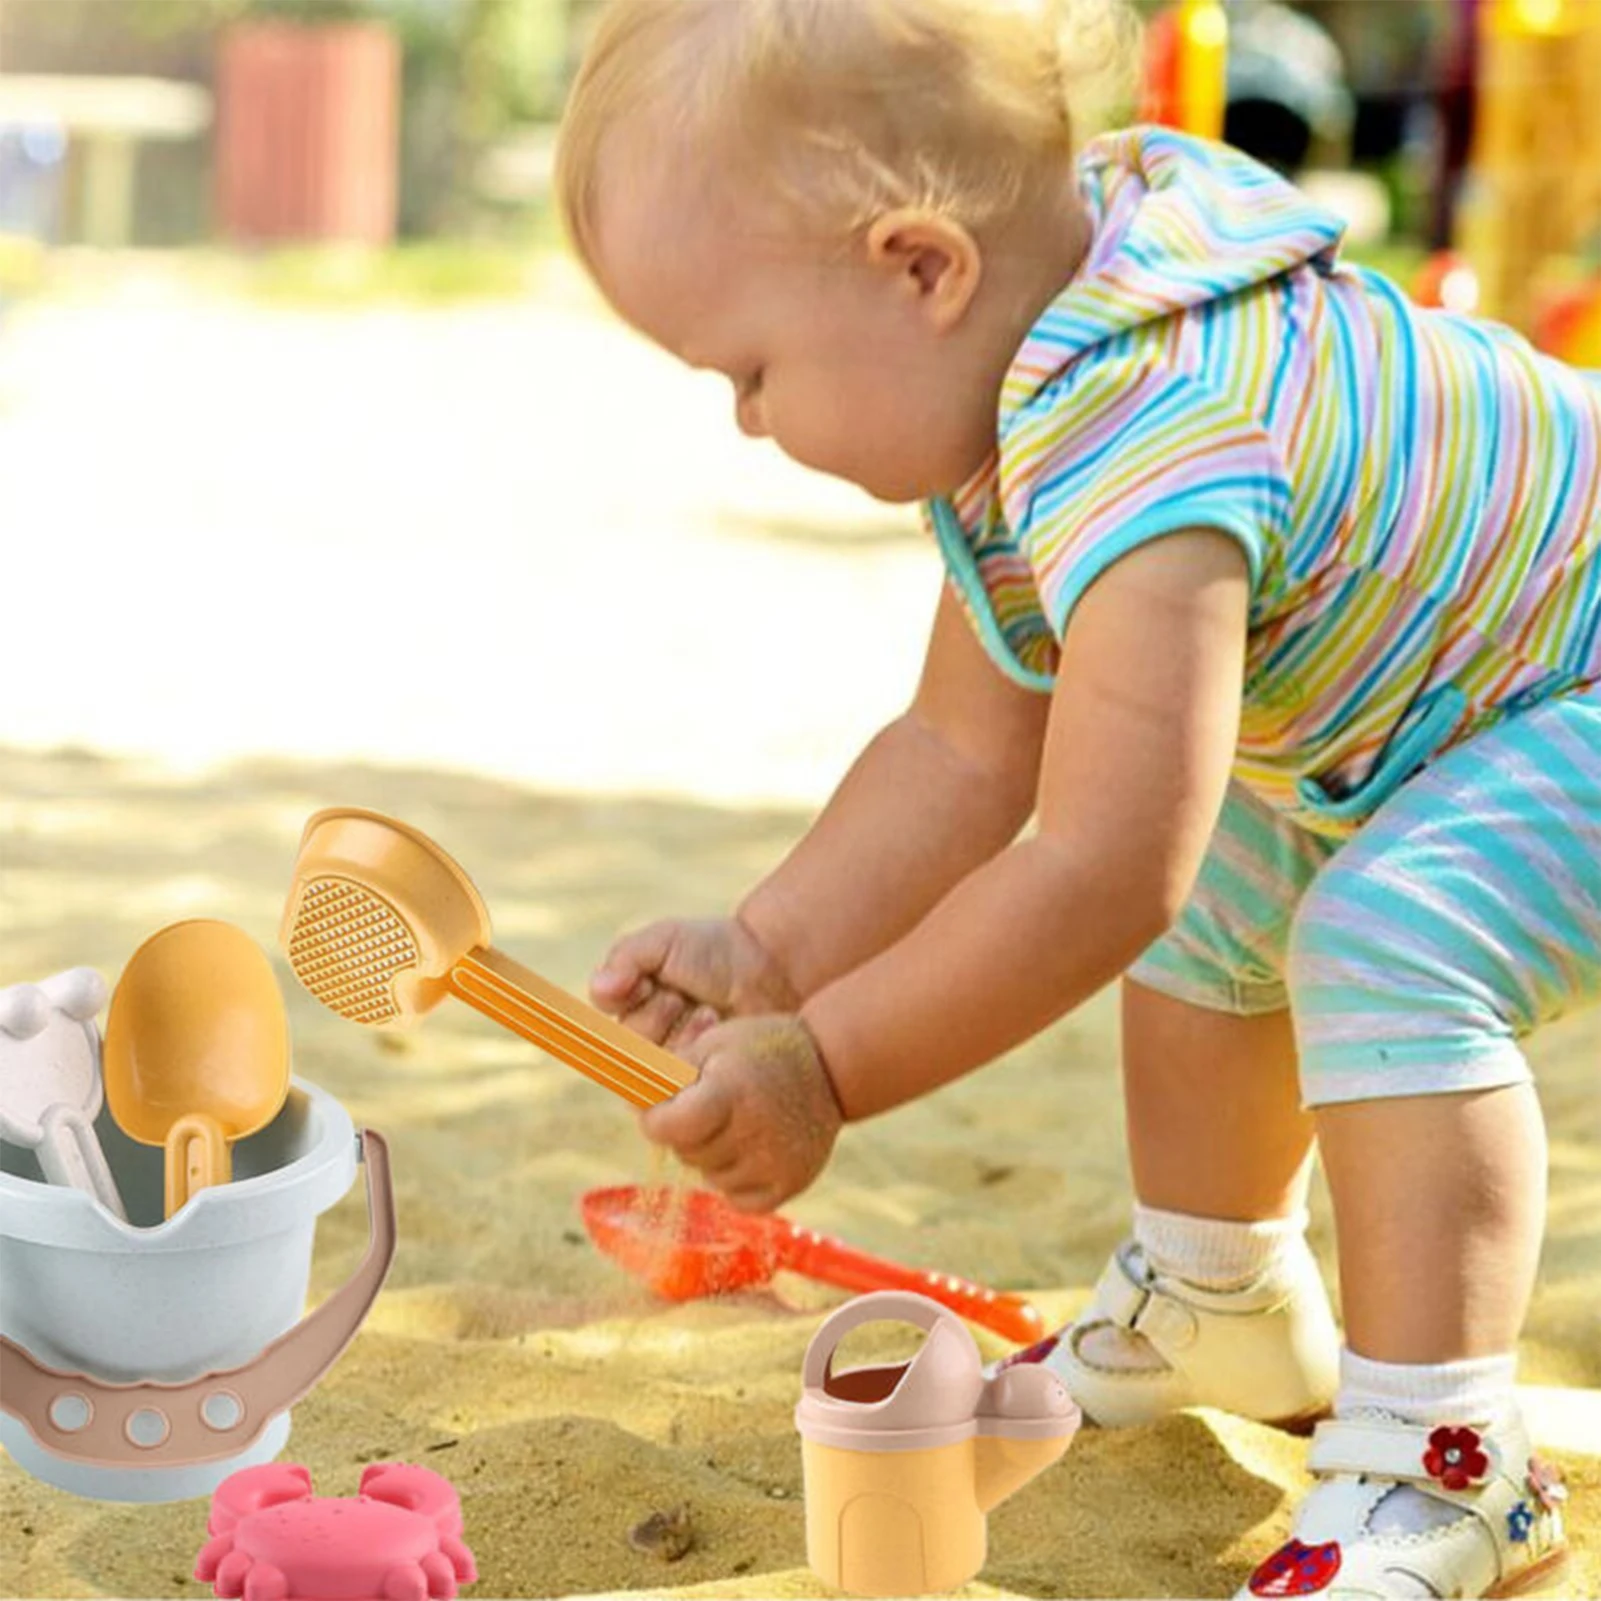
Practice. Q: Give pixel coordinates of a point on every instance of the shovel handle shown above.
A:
(831, 1261)
(197, 1158)
(601, 1048)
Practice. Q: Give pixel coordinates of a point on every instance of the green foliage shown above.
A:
(166, 18)
(315, 11)
(431, 272)
(1397, 259)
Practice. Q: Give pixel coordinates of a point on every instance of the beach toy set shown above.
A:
(903, 1463)
(158, 1207)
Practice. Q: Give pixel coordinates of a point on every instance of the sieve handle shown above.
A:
(603, 1049)
(100, 1419)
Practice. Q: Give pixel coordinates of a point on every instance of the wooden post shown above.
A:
(109, 168)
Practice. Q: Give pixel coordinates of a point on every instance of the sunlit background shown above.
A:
(314, 441)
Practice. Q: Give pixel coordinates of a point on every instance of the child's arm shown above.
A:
(1143, 724)
(936, 793)
(940, 790)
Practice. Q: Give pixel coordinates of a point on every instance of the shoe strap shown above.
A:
(1380, 1449)
(1387, 1448)
(1130, 1296)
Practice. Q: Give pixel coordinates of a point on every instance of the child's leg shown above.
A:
(1215, 1125)
(1213, 1100)
(1221, 1156)
(1422, 1282)
(1465, 913)
(1216, 1300)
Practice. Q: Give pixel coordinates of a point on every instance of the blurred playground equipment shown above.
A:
(1529, 218)
(1526, 220)
(1186, 67)
(308, 132)
(107, 118)
(1255, 72)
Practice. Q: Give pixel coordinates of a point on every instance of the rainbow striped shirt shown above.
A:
(1418, 495)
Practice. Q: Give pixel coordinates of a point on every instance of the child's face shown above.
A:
(843, 356)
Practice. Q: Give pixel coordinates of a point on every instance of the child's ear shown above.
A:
(930, 258)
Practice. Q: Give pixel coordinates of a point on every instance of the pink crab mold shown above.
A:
(399, 1539)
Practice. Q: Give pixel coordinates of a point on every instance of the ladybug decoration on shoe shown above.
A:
(1297, 1569)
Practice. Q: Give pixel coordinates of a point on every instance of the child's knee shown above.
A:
(1384, 1006)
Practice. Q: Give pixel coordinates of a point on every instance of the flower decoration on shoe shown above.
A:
(1037, 1352)
(1545, 1484)
(1519, 1523)
(1297, 1569)
(1457, 1458)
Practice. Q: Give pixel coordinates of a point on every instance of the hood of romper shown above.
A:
(1178, 222)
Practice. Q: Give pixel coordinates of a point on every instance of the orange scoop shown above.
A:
(689, 1243)
(381, 925)
(196, 1049)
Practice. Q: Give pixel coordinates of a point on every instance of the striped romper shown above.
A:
(1409, 854)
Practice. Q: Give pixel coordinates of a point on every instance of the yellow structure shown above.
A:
(1203, 66)
(1186, 67)
(1533, 188)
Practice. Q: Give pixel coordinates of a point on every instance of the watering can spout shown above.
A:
(1026, 1421)
(1003, 1466)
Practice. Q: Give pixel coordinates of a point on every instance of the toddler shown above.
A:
(1273, 599)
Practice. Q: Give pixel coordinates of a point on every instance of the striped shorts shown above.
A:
(1415, 954)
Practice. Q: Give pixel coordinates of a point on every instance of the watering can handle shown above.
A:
(220, 1414)
(882, 1306)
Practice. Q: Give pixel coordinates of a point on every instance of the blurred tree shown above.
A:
(485, 93)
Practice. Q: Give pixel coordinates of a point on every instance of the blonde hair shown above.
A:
(845, 109)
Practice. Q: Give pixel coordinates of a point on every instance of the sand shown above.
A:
(590, 782)
(505, 1352)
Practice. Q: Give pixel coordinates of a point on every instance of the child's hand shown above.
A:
(761, 1119)
(675, 979)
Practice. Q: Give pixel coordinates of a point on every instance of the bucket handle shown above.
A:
(153, 1424)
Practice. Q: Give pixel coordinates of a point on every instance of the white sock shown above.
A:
(1213, 1252)
(1210, 1252)
(1473, 1390)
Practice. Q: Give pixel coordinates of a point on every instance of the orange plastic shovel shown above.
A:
(690, 1243)
(196, 1050)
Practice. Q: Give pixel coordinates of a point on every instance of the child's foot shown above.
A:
(1150, 1343)
(1409, 1510)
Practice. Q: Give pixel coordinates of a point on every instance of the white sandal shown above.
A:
(1267, 1350)
(1509, 1543)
